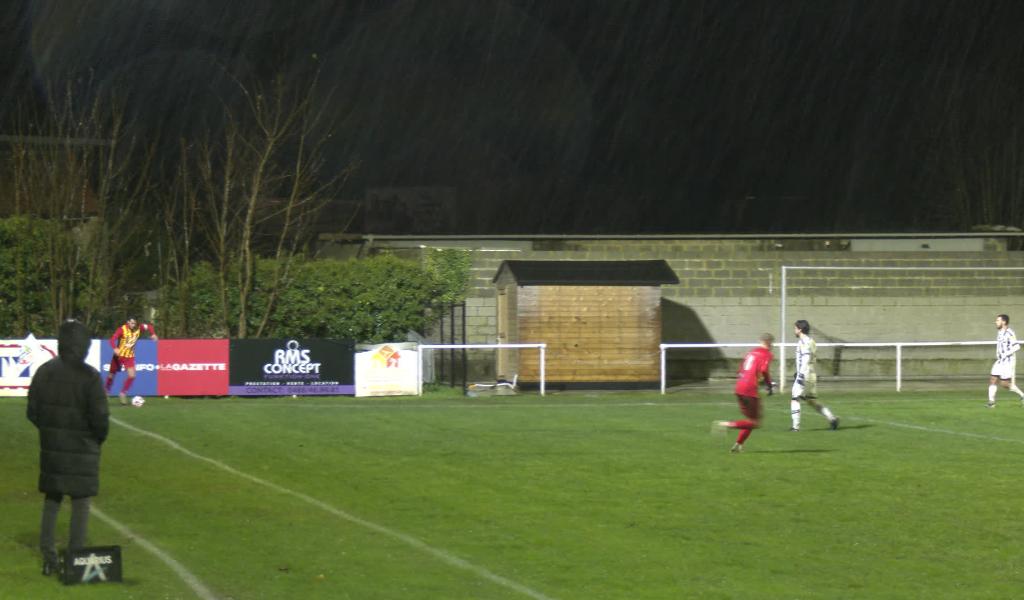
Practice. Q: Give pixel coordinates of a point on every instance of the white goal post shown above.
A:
(422, 347)
(897, 346)
(785, 326)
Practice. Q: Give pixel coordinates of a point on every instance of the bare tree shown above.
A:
(981, 165)
(258, 186)
(80, 169)
(973, 130)
(179, 209)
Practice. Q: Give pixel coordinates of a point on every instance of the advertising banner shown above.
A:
(192, 367)
(145, 368)
(93, 357)
(98, 564)
(282, 367)
(19, 360)
(387, 370)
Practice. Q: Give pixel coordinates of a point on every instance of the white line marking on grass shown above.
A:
(384, 404)
(405, 538)
(978, 436)
(193, 582)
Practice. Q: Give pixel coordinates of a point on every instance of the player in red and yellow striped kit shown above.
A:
(123, 342)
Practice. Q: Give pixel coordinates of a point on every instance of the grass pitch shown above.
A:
(623, 495)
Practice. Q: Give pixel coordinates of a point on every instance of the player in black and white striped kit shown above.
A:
(805, 380)
(1004, 369)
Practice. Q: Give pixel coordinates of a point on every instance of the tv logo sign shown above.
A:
(19, 360)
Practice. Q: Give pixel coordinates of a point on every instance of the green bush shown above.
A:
(368, 300)
(194, 310)
(450, 267)
(24, 277)
(375, 299)
(45, 277)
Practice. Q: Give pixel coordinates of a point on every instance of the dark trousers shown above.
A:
(79, 524)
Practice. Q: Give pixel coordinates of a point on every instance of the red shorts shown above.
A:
(119, 362)
(750, 407)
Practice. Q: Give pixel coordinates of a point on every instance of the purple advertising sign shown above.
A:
(145, 368)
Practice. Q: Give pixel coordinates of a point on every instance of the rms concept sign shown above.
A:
(283, 367)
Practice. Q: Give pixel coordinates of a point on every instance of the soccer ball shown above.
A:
(138, 401)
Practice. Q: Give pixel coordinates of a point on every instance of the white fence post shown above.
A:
(421, 347)
(663, 375)
(543, 363)
(782, 330)
(419, 372)
(899, 367)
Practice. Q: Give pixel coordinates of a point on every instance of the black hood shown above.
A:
(73, 341)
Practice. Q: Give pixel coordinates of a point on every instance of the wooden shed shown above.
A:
(601, 320)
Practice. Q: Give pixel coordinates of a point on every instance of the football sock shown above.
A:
(794, 406)
(742, 424)
(992, 394)
(742, 437)
(127, 385)
(110, 382)
(827, 413)
(1016, 390)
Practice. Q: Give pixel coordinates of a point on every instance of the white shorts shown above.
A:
(809, 389)
(1004, 369)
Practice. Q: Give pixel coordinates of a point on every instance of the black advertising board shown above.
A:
(98, 564)
(283, 367)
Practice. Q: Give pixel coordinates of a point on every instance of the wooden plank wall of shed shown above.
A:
(593, 333)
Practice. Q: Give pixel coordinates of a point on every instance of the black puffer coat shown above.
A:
(66, 402)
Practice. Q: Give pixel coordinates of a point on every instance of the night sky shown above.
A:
(590, 116)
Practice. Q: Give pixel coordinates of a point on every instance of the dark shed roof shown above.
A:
(589, 272)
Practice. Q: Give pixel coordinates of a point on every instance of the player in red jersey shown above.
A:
(123, 342)
(753, 370)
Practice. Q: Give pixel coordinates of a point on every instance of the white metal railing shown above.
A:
(898, 346)
(786, 328)
(421, 347)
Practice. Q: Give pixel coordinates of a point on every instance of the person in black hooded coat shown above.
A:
(66, 402)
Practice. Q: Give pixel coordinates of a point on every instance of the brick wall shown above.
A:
(729, 291)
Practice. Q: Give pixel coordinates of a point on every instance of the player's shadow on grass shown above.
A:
(840, 430)
(28, 539)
